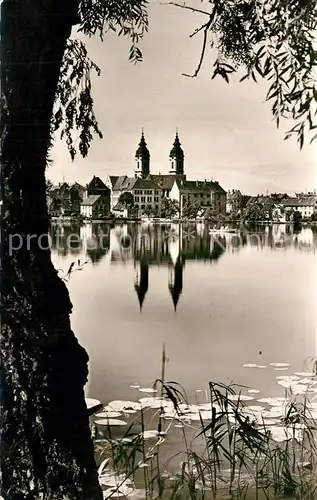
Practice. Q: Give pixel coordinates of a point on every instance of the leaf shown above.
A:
(70, 268)
(245, 77)
(102, 466)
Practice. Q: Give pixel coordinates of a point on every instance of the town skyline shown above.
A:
(226, 131)
(166, 171)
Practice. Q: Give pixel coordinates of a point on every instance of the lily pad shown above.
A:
(255, 408)
(112, 422)
(280, 365)
(148, 390)
(155, 403)
(150, 434)
(240, 397)
(109, 414)
(119, 405)
(305, 374)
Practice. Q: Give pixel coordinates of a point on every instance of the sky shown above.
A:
(227, 132)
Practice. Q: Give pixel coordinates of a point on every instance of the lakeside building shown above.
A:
(96, 199)
(305, 204)
(149, 189)
(236, 201)
(64, 198)
(280, 207)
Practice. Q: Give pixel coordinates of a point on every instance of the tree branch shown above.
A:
(187, 7)
(205, 27)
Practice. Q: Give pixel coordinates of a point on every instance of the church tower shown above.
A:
(142, 159)
(176, 158)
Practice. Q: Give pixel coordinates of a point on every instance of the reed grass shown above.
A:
(229, 455)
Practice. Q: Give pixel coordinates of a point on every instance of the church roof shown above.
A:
(129, 183)
(163, 181)
(176, 149)
(145, 184)
(200, 186)
(142, 149)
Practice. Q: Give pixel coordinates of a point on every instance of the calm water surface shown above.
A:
(217, 302)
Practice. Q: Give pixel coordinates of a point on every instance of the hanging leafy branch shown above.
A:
(74, 104)
(74, 115)
(270, 39)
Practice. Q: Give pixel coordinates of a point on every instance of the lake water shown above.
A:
(216, 301)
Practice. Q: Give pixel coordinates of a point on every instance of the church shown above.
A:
(150, 189)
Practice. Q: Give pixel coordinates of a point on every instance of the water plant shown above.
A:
(226, 445)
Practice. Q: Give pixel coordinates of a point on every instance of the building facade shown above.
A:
(149, 189)
(96, 201)
(94, 207)
(200, 194)
(305, 204)
(64, 199)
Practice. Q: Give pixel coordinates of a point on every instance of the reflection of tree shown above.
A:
(74, 238)
(98, 245)
(96, 254)
(65, 238)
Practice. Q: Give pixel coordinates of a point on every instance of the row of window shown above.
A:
(198, 195)
(143, 199)
(145, 191)
(144, 206)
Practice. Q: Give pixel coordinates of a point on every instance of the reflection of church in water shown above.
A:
(148, 247)
(172, 257)
(171, 253)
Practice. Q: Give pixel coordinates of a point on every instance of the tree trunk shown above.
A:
(46, 442)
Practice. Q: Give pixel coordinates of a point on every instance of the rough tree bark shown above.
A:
(46, 445)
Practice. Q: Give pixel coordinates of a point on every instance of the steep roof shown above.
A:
(163, 181)
(145, 184)
(91, 200)
(113, 179)
(308, 201)
(234, 195)
(76, 185)
(119, 182)
(96, 183)
(129, 183)
(290, 202)
(200, 186)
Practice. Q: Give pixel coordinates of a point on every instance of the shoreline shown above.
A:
(107, 220)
